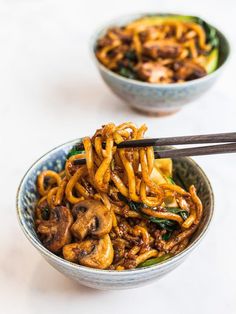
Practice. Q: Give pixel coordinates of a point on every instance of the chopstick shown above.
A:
(197, 151)
(181, 140)
(184, 152)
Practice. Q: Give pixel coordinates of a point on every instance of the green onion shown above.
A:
(170, 180)
(156, 260)
(174, 210)
(74, 151)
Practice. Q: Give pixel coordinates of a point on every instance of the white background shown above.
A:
(50, 93)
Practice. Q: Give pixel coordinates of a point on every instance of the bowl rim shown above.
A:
(46, 253)
(133, 16)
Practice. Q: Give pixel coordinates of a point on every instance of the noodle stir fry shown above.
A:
(160, 49)
(121, 210)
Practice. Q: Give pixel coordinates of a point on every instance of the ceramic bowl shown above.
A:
(156, 99)
(185, 170)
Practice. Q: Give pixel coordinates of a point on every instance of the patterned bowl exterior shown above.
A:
(186, 170)
(156, 98)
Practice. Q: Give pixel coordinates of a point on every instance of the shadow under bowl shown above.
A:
(156, 99)
(186, 171)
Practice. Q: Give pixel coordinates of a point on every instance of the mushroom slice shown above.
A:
(55, 232)
(92, 253)
(161, 49)
(189, 70)
(92, 217)
(155, 73)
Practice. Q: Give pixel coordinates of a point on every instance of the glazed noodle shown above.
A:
(121, 210)
(160, 49)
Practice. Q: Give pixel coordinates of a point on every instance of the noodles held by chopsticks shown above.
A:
(118, 211)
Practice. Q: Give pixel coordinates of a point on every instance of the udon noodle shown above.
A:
(120, 210)
(160, 49)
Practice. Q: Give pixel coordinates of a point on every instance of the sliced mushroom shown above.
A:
(54, 233)
(149, 33)
(189, 70)
(92, 217)
(123, 34)
(161, 49)
(42, 211)
(92, 253)
(155, 73)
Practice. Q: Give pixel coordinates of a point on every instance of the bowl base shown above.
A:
(155, 113)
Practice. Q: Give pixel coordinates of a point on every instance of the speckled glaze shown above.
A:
(186, 169)
(156, 98)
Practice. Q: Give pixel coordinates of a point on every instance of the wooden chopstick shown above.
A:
(184, 152)
(181, 140)
(197, 151)
(177, 140)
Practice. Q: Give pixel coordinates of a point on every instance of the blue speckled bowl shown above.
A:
(156, 99)
(186, 170)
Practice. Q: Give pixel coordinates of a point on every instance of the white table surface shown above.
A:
(51, 93)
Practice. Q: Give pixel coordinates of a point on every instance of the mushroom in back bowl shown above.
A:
(120, 213)
(157, 63)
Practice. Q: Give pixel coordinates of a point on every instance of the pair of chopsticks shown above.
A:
(229, 138)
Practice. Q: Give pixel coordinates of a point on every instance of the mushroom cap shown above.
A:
(162, 49)
(92, 217)
(95, 253)
(55, 232)
(189, 70)
(154, 72)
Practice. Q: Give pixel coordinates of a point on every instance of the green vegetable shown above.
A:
(166, 224)
(212, 61)
(184, 214)
(156, 260)
(176, 210)
(180, 182)
(212, 39)
(45, 212)
(126, 72)
(167, 236)
(211, 33)
(170, 180)
(131, 55)
(160, 18)
(75, 151)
